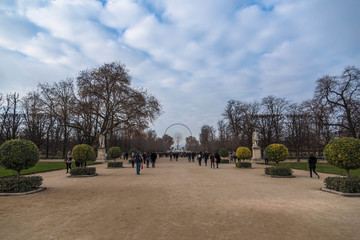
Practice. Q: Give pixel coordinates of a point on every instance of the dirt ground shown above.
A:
(180, 200)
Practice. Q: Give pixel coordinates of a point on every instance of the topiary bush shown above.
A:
(343, 153)
(22, 184)
(83, 171)
(115, 152)
(223, 152)
(82, 153)
(276, 153)
(341, 184)
(115, 164)
(243, 153)
(18, 154)
(278, 171)
(243, 164)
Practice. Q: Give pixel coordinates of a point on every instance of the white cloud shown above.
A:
(194, 55)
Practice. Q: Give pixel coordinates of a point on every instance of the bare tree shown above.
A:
(192, 144)
(341, 94)
(207, 138)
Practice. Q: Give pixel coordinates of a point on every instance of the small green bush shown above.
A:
(243, 164)
(341, 184)
(243, 153)
(115, 152)
(21, 184)
(278, 171)
(343, 153)
(115, 165)
(223, 152)
(224, 161)
(276, 153)
(83, 171)
(82, 153)
(18, 154)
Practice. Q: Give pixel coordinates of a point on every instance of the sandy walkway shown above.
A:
(180, 200)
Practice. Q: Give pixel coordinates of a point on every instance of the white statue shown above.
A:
(255, 139)
(102, 141)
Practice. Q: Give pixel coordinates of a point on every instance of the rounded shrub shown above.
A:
(18, 154)
(223, 152)
(82, 153)
(343, 153)
(115, 152)
(243, 153)
(276, 153)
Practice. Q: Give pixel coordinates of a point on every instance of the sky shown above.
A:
(192, 55)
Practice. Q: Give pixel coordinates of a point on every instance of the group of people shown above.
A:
(214, 159)
(145, 158)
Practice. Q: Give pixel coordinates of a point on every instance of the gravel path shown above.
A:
(180, 200)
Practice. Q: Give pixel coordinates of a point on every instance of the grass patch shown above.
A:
(320, 167)
(40, 167)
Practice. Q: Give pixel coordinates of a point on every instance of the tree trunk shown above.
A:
(18, 174)
(347, 173)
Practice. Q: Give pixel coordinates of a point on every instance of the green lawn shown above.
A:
(320, 167)
(40, 167)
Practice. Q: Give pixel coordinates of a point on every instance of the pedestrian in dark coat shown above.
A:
(138, 160)
(212, 160)
(153, 157)
(206, 157)
(217, 159)
(147, 159)
(199, 156)
(312, 165)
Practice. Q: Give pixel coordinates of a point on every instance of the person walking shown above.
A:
(138, 160)
(212, 160)
(206, 157)
(148, 159)
(68, 162)
(199, 158)
(266, 160)
(153, 157)
(217, 160)
(312, 165)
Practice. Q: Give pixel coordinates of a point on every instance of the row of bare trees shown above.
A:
(99, 101)
(307, 126)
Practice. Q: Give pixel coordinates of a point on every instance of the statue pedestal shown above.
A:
(101, 155)
(256, 154)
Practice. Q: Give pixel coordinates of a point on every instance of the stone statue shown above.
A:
(101, 141)
(255, 139)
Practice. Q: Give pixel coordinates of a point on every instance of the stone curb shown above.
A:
(340, 193)
(82, 176)
(24, 193)
(275, 176)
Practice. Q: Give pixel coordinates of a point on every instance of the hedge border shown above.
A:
(277, 176)
(82, 176)
(39, 189)
(340, 193)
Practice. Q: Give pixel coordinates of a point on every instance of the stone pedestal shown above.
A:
(256, 154)
(101, 155)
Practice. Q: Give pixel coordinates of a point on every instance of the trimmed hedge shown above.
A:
(343, 184)
(278, 171)
(21, 184)
(115, 165)
(243, 164)
(83, 153)
(243, 153)
(224, 161)
(83, 171)
(223, 152)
